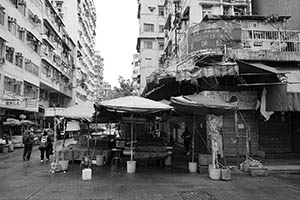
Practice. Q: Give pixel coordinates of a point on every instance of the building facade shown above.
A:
(99, 64)
(252, 61)
(83, 32)
(150, 43)
(136, 75)
(182, 14)
(46, 64)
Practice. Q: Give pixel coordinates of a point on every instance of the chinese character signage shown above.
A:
(213, 35)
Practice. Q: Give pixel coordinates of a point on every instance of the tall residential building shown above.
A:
(136, 74)
(150, 43)
(99, 64)
(36, 59)
(81, 18)
(46, 64)
(279, 8)
(57, 61)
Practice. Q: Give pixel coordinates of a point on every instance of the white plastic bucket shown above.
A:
(214, 174)
(64, 164)
(193, 167)
(100, 160)
(86, 174)
(131, 165)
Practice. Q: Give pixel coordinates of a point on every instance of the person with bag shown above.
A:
(28, 140)
(187, 138)
(45, 145)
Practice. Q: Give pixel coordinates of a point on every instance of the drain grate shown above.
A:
(196, 195)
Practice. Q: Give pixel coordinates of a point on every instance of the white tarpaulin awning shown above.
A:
(84, 111)
(134, 104)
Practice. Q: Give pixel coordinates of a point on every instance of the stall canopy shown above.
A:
(200, 104)
(134, 104)
(16, 122)
(84, 111)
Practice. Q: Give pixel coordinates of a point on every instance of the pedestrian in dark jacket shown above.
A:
(45, 146)
(28, 139)
(187, 137)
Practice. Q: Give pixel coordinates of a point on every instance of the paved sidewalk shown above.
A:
(32, 180)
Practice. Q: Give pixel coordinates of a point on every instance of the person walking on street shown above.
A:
(187, 138)
(28, 139)
(45, 145)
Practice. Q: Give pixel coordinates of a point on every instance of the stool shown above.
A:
(116, 156)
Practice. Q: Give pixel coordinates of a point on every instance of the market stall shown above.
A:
(75, 119)
(212, 108)
(136, 112)
(15, 128)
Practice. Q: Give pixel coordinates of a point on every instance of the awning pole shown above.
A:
(237, 137)
(193, 139)
(131, 145)
(55, 143)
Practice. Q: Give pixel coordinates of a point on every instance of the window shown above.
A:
(148, 61)
(206, 10)
(161, 28)
(239, 10)
(12, 85)
(161, 11)
(148, 45)
(19, 59)
(2, 17)
(161, 45)
(149, 27)
(30, 91)
(12, 25)
(151, 8)
(21, 33)
(10, 54)
(2, 48)
(22, 7)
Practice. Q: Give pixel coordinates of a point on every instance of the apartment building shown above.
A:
(150, 43)
(98, 68)
(83, 32)
(46, 64)
(20, 60)
(136, 74)
(57, 61)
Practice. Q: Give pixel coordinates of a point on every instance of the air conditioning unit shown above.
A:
(22, 29)
(19, 54)
(2, 60)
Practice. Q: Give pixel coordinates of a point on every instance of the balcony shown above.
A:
(266, 45)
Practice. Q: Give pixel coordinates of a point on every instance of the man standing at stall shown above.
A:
(187, 137)
(28, 139)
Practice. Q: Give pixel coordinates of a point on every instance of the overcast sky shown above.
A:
(117, 32)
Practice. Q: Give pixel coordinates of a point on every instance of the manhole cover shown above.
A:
(196, 195)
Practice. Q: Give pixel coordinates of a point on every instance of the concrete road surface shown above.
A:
(32, 180)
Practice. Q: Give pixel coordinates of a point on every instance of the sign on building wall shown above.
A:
(213, 35)
(246, 100)
(29, 105)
